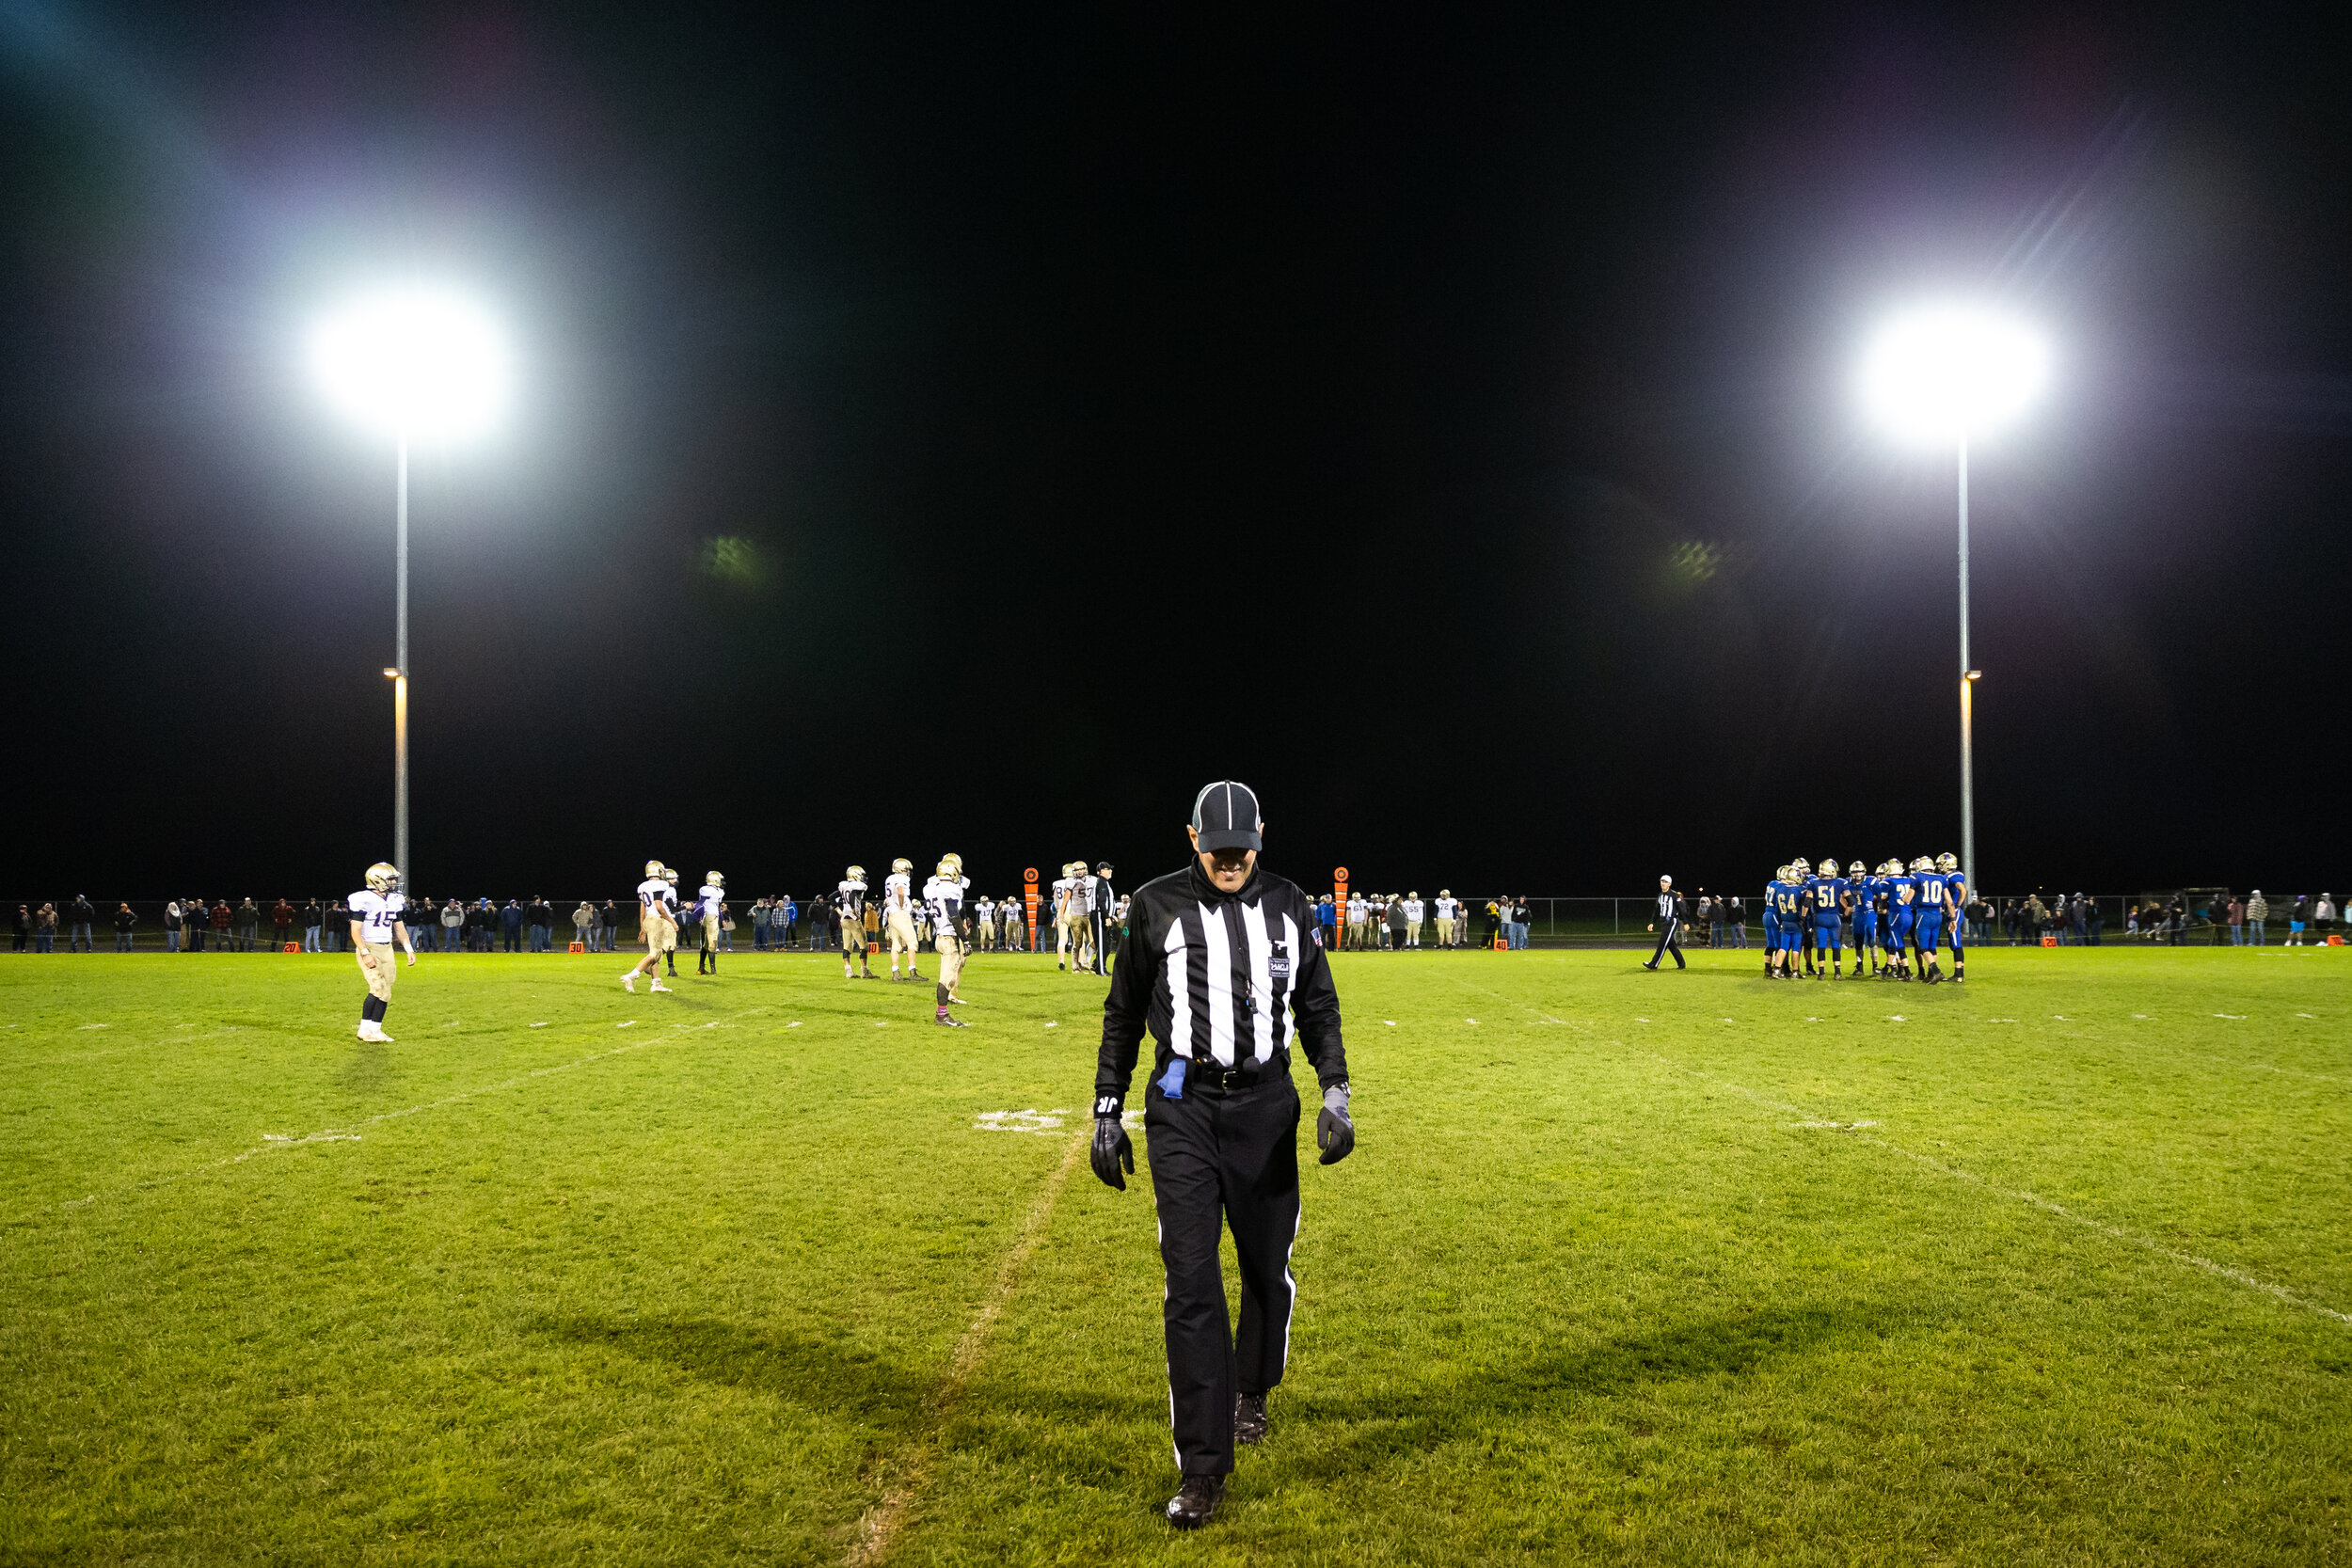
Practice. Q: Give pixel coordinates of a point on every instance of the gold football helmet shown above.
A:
(383, 876)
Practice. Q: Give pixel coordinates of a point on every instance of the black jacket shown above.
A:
(1219, 978)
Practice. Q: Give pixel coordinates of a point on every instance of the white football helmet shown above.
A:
(383, 876)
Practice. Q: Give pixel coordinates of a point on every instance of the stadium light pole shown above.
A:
(410, 362)
(1940, 375)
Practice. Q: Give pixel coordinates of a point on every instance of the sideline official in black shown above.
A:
(1219, 962)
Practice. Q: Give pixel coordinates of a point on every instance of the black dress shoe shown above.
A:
(1195, 1503)
(1249, 1418)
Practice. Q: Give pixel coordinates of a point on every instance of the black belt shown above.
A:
(1228, 1079)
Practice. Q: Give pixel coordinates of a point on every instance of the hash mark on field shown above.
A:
(1030, 1120)
(96, 1026)
(878, 1531)
(2239, 1016)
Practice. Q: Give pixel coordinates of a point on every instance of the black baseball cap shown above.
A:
(1225, 815)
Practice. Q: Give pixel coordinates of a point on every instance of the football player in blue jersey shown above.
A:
(1801, 874)
(1956, 882)
(1771, 922)
(1862, 928)
(1788, 898)
(1828, 891)
(1927, 915)
(1890, 942)
(1901, 891)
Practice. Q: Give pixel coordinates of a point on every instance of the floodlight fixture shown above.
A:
(1942, 374)
(413, 361)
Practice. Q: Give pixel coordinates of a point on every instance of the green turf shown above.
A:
(1613, 1275)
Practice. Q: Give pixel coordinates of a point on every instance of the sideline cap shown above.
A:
(1225, 815)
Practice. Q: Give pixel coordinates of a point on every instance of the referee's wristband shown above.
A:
(1106, 1106)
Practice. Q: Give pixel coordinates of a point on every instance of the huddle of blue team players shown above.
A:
(1895, 913)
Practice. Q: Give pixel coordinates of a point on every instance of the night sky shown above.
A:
(955, 430)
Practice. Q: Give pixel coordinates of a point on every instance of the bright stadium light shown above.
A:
(1941, 376)
(411, 363)
(414, 361)
(1948, 372)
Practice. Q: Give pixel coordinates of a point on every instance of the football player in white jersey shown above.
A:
(1447, 910)
(669, 941)
(899, 917)
(848, 903)
(376, 913)
(942, 895)
(1062, 885)
(1413, 911)
(656, 917)
(1077, 919)
(711, 904)
(984, 922)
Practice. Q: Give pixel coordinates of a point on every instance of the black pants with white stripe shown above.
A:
(1102, 942)
(1223, 1158)
(1669, 941)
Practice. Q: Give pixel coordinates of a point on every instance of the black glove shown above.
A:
(1334, 1134)
(1112, 1147)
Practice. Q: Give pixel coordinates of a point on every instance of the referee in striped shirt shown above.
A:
(1220, 962)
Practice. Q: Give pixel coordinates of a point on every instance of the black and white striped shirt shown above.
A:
(1221, 978)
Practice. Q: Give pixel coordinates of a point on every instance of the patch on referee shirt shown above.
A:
(1277, 963)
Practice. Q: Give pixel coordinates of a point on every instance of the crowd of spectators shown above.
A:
(1382, 923)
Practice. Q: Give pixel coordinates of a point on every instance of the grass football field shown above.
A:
(2055, 1267)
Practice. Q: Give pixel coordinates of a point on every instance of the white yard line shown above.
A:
(2190, 1259)
(878, 1531)
(2115, 1232)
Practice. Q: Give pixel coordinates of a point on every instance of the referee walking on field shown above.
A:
(1220, 962)
(1668, 924)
